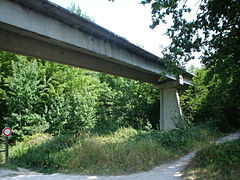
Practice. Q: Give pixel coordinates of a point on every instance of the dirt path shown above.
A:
(170, 171)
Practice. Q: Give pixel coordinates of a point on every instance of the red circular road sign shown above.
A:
(7, 131)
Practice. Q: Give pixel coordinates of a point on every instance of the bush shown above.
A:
(1, 148)
(118, 153)
(102, 157)
(216, 162)
(40, 151)
(44, 97)
(212, 98)
(124, 151)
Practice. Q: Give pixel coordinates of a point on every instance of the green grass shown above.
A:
(2, 147)
(216, 162)
(2, 157)
(8, 166)
(124, 151)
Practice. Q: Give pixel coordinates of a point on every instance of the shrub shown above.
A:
(115, 155)
(125, 151)
(216, 162)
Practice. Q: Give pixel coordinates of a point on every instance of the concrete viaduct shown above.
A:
(41, 29)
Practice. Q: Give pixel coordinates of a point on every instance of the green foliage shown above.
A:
(185, 137)
(214, 32)
(48, 97)
(117, 153)
(117, 157)
(193, 100)
(211, 99)
(213, 29)
(124, 151)
(216, 162)
(38, 96)
(125, 102)
(2, 158)
(22, 104)
(71, 99)
(78, 11)
(45, 94)
(39, 151)
(6, 60)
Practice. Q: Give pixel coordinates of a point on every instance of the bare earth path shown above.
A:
(170, 171)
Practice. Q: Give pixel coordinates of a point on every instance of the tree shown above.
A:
(23, 105)
(6, 60)
(78, 11)
(125, 102)
(214, 31)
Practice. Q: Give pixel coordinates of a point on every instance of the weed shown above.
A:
(124, 151)
(216, 162)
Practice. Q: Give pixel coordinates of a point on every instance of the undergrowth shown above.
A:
(2, 147)
(216, 162)
(124, 151)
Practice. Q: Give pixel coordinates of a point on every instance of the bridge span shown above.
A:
(41, 29)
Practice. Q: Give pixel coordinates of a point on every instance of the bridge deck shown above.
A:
(45, 30)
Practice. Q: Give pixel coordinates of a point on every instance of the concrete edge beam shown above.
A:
(30, 47)
(23, 18)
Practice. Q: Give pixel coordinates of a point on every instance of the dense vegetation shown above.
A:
(39, 96)
(62, 112)
(124, 151)
(203, 102)
(211, 29)
(72, 108)
(216, 162)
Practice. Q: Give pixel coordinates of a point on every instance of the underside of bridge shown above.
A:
(47, 31)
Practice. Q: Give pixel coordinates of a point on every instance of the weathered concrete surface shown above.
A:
(169, 104)
(169, 108)
(170, 171)
(44, 30)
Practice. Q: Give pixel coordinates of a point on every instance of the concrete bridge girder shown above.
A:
(44, 30)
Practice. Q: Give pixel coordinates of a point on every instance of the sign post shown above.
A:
(6, 132)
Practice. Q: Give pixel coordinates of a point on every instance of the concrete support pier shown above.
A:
(170, 110)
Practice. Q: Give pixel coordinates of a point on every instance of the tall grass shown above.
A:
(124, 151)
(216, 162)
(2, 147)
(116, 154)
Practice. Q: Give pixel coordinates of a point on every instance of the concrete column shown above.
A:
(170, 110)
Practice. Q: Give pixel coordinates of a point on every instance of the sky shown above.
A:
(127, 18)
